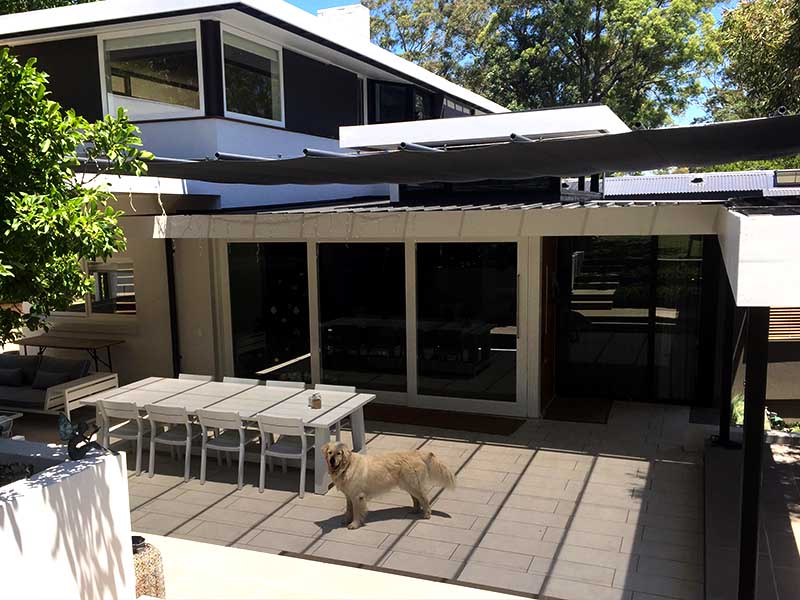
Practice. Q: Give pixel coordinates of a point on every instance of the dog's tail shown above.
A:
(438, 473)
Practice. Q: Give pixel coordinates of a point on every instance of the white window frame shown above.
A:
(87, 312)
(180, 112)
(261, 42)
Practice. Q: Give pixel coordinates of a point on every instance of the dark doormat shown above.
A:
(579, 410)
(704, 415)
(444, 419)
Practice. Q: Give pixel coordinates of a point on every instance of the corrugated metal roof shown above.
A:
(689, 183)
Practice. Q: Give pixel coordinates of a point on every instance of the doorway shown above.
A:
(627, 312)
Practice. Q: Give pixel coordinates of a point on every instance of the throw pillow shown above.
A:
(11, 377)
(46, 379)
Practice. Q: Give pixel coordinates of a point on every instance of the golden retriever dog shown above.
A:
(360, 477)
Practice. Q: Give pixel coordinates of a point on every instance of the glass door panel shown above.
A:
(467, 320)
(363, 315)
(269, 310)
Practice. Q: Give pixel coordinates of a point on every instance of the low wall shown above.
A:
(65, 532)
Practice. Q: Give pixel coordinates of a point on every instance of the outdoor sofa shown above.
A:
(44, 384)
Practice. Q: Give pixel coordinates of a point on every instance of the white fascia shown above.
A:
(549, 123)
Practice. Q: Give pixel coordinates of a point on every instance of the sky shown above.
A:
(694, 111)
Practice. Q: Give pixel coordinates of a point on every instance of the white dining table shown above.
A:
(251, 400)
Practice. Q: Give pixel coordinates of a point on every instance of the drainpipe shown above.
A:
(169, 250)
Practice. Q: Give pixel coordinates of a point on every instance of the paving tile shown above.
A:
(665, 551)
(508, 560)
(465, 508)
(673, 536)
(349, 552)
(497, 486)
(174, 507)
(137, 501)
(618, 561)
(518, 500)
(293, 526)
(663, 586)
(671, 568)
(158, 524)
(694, 525)
(525, 530)
(446, 519)
(445, 534)
(519, 545)
(582, 538)
(261, 507)
(469, 472)
(230, 517)
(534, 517)
(283, 541)
(361, 536)
(595, 511)
(249, 491)
(326, 502)
(572, 570)
(418, 546)
(424, 565)
(221, 532)
(310, 513)
(467, 495)
(497, 577)
(204, 499)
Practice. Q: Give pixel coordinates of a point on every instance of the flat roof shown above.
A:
(277, 12)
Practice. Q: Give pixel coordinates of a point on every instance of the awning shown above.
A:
(641, 150)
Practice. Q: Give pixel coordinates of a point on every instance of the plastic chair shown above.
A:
(132, 429)
(174, 436)
(193, 377)
(293, 443)
(229, 436)
(242, 380)
(290, 384)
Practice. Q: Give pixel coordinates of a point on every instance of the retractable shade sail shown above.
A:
(640, 150)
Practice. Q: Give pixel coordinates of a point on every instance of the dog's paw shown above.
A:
(426, 515)
(354, 525)
(346, 521)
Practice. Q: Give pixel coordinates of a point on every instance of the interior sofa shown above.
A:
(44, 384)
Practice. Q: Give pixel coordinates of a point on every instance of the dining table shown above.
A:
(250, 400)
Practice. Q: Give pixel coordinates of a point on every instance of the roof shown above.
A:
(638, 150)
(282, 14)
(688, 183)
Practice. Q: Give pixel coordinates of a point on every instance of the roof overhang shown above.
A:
(632, 151)
(573, 121)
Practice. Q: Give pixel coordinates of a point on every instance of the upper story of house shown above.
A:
(259, 77)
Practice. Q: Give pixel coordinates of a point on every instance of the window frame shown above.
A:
(87, 312)
(228, 114)
(182, 112)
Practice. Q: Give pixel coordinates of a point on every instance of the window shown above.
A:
(252, 78)
(114, 290)
(391, 103)
(423, 105)
(153, 75)
(452, 108)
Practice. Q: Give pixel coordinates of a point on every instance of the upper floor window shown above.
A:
(114, 292)
(252, 79)
(153, 75)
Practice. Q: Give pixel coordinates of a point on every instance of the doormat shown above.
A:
(443, 419)
(579, 410)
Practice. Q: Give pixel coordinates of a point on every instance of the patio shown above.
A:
(566, 510)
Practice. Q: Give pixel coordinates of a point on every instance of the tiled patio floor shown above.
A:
(566, 510)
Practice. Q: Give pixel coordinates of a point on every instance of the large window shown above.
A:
(269, 310)
(252, 78)
(362, 315)
(467, 320)
(113, 290)
(153, 75)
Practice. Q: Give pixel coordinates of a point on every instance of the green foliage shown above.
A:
(16, 6)
(50, 219)
(737, 410)
(644, 58)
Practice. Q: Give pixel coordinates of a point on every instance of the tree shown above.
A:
(644, 58)
(50, 218)
(16, 6)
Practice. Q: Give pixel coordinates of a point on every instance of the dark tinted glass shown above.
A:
(392, 103)
(252, 79)
(269, 310)
(467, 320)
(362, 315)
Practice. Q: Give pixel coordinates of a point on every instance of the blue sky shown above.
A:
(694, 111)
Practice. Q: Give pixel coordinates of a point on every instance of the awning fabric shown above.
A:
(641, 150)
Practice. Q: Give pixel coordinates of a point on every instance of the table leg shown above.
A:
(93, 354)
(98, 420)
(359, 431)
(108, 351)
(322, 435)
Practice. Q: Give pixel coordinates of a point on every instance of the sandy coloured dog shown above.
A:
(360, 478)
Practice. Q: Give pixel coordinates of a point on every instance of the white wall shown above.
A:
(65, 533)
(201, 138)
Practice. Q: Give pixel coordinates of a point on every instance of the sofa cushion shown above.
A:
(74, 368)
(45, 379)
(28, 364)
(21, 397)
(11, 377)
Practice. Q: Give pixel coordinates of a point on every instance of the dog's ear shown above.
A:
(326, 449)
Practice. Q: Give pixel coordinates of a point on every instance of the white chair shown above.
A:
(192, 377)
(180, 432)
(229, 436)
(242, 380)
(336, 388)
(289, 384)
(292, 443)
(132, 429)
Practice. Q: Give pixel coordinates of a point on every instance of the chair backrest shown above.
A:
(118, 410)
(218, 418)
(196, 377)
(335, 388)
(242, 380)
(289, 384)
(280, 425)
(167, 414)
